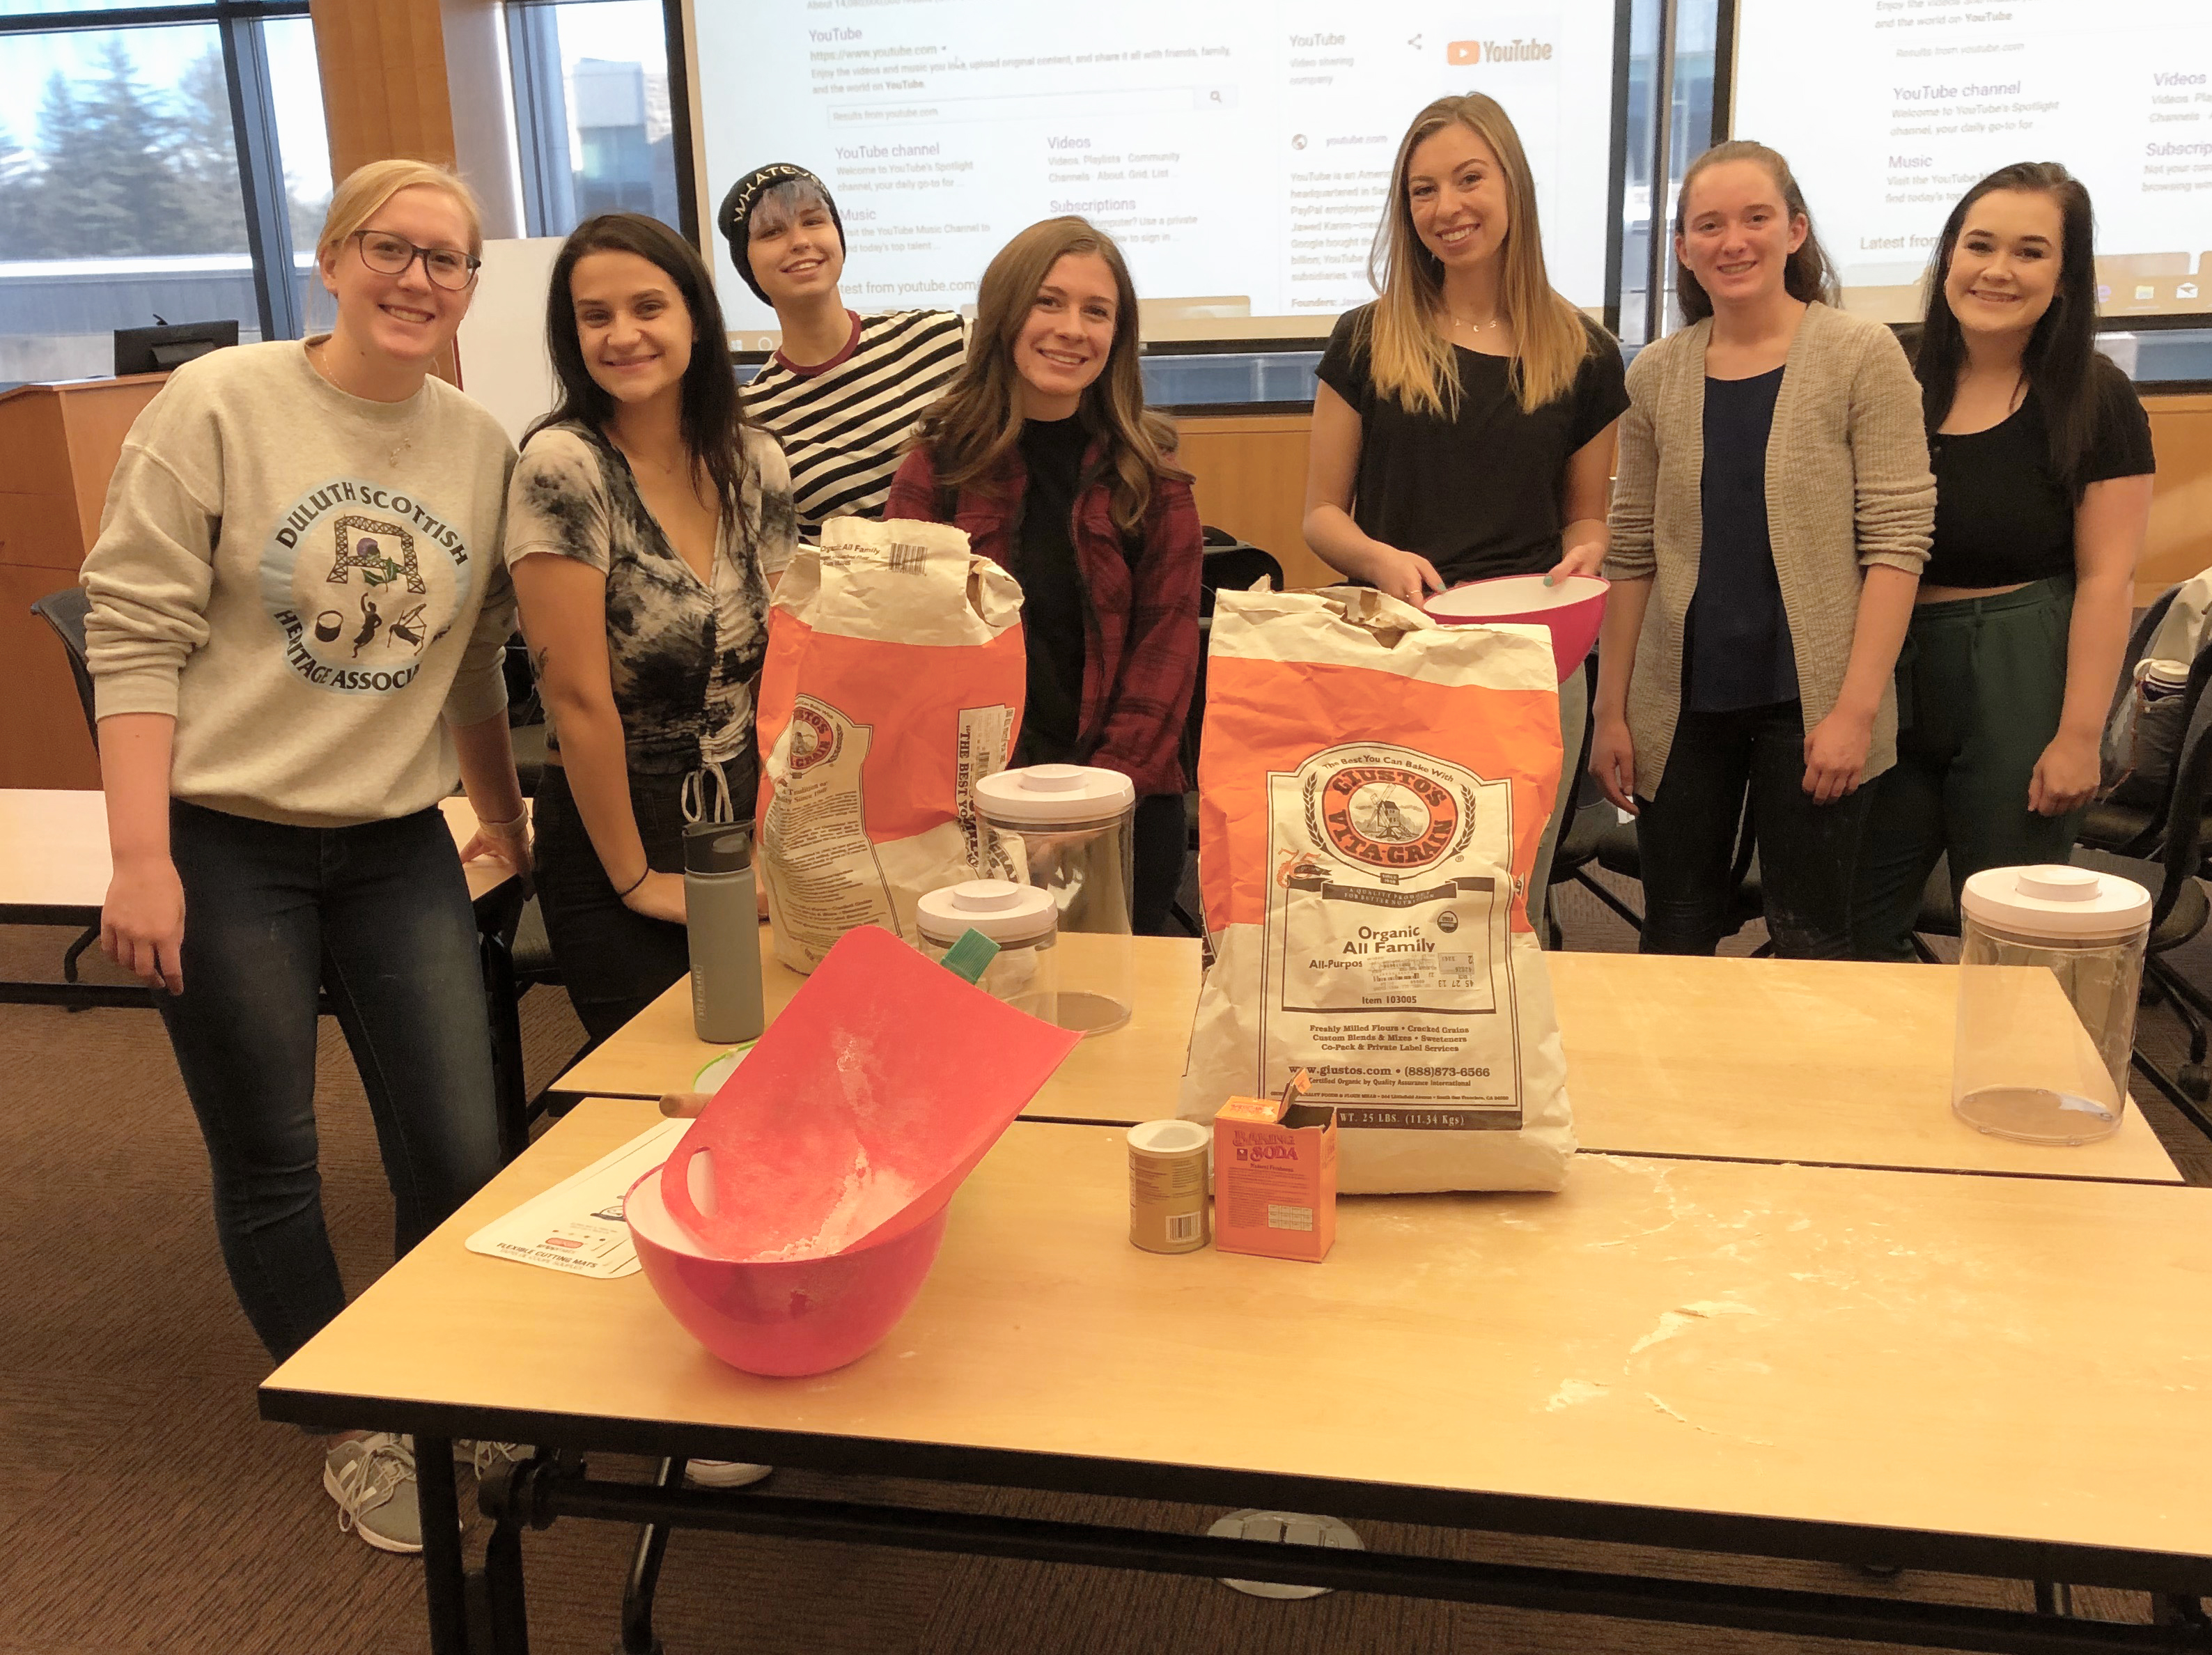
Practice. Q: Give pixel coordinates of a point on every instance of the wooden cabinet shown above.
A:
(58, 444)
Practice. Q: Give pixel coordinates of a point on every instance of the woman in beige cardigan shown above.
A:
(1772, 511)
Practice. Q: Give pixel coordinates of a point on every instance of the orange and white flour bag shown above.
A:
(894, 679)
(1372, 789)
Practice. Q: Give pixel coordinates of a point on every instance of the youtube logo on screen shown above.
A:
(1463, 52)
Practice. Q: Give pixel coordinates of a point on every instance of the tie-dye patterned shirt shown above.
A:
(684, 655)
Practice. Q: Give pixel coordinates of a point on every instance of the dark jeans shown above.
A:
(613, 962)
(1685, 837)
(1981, 684)
(378, 916)
(1160, 843)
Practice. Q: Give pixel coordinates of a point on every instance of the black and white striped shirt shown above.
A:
(844, 423)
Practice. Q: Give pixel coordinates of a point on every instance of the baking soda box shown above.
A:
(1274, 1178)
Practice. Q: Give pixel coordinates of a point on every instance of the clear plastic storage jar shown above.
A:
(1066, 830)
(1020, 919)
(2051, 962)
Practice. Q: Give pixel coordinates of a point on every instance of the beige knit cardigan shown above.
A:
(1847, 485)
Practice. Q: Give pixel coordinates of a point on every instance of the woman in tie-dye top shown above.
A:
(667, 517)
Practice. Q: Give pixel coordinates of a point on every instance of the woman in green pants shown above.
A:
(2043, 465)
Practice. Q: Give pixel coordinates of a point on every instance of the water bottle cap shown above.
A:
(1050, 795)
(2056, 900)
(718, 846)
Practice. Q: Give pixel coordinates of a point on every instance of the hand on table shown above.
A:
(506, 842)
(141, 923)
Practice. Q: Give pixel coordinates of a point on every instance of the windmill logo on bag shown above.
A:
(813, 738)
(1388, 815)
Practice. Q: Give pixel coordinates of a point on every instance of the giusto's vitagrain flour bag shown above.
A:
(1372, 789)
(894, 679)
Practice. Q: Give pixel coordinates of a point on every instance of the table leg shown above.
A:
(637, 1637)
(506, 1016)
(442, 1588)
(509, 1608)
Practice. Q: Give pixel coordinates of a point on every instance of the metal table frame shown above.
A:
(482, 1611)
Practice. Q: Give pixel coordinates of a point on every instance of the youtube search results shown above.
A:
(1890, 110)
(1238, 152)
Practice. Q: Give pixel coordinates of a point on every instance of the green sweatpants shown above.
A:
(1981, 683)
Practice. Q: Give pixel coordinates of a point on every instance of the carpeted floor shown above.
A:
(145, 1510)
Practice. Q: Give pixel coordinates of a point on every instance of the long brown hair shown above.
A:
(710, 418)
(971, 429)
(1411, 361)
(1809, 277)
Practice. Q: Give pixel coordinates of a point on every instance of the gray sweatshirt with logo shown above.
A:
(311, 583)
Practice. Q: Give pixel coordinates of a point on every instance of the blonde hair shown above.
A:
(369, 186)
(974, 426)
(1410, 359)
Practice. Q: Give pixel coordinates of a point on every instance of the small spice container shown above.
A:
(1067, 831)
(1167, 1186)
(1020, 919)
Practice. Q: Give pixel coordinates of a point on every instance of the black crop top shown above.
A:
(2001, 516)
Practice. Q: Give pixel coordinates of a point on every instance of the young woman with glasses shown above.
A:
(298, 613)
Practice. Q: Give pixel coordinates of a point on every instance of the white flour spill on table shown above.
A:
(1672, 1414)
(1675, 1322)
(1574, 1391)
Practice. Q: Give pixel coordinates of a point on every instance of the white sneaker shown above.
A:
(481, 1456)
(373, 1480)
(725, 1474)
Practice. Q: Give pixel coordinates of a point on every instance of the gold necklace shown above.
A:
(1475, 327)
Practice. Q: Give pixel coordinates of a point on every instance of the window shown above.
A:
(128, 190)
(591, 104)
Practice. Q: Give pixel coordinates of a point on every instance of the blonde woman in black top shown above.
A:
(2043, 465)
(1464, 427)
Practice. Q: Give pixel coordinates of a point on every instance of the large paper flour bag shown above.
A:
(894, 679)
(1372, 790)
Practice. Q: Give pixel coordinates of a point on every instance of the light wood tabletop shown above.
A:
(1954, 1356)
(1130, 1074)
(53, 849)
(1815, 1061)
(1756, 1059)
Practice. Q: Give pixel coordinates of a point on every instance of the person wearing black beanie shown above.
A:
(844, 391)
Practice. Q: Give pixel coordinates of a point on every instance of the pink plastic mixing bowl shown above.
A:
(785, 1319)
(1572, 610)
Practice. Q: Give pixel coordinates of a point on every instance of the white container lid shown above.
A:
(1044, 795)
(1006, 912)
(2056, 900)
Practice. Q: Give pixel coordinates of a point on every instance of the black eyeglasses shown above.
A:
(391, 255)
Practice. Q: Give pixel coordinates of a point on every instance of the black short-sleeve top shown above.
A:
(1477, 495)
(2002, 516)
(683, 653)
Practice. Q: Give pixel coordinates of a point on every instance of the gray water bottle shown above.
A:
(724, 921)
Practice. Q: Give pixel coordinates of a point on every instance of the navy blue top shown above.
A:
(1736, 652)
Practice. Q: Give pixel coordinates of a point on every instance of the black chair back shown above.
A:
(64, 611)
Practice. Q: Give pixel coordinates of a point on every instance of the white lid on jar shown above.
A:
(1045, 795)
(1010, 915)
(2056, 900)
